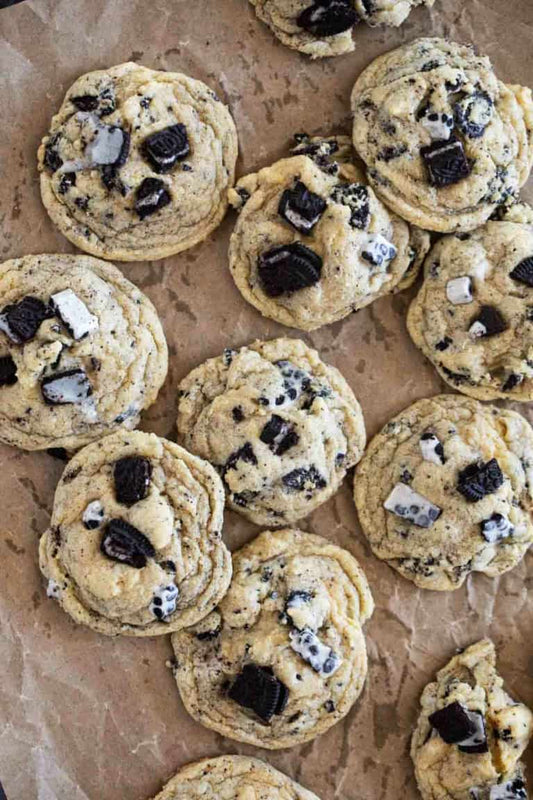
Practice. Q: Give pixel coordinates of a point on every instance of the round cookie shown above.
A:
(82, 351)
(281, 427)
(446, 489)
(470, 734)
(134, 545)
(232, 778)
(445, 141)
(283, 657)
(137, 163)
(473, 316)
(313, 243)
(321, 28)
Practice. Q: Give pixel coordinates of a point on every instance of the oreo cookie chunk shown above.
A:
(430, 511)
(313, 243)
(71, 330)
(137, 163)
(464, 708)
(273, 422)
(308, 677)
(123, 568)
(434, 164)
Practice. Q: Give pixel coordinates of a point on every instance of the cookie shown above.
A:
(321, 28)
(473, 316)
(283, 657)
(134, 545)
(470, 734)
(462, 139)
(313, 243)
(82, 351)
(446, 490)
(137, 163)
(281, 427)
(232, 778)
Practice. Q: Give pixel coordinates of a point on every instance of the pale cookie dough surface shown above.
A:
(115, 191)
(167, 573)
(425, 450)
(116, 349)
(443, 770)
(281, 427)
(287, 584)
(351, 228)
(437, 94)
(485, 277)
(284, 18)
(232, 778)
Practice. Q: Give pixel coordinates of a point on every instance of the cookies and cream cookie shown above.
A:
(322, 28)
(470, 734)
(446, 489)
(82, 351)
(283, 657)
(313, 243)
(473, 316)
(135, 544)
(137, 163)
(232, 778)
(281, 427)
(445, 142)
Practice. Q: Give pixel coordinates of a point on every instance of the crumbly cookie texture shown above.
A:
(82, 351)
(281, 427)
(313, 243)
(137, 163)
(232, 778)
(446, 490)
(445, 141)
(321, 28)
(473, 316)
(134, 545)
(283, 657)
(470, 733)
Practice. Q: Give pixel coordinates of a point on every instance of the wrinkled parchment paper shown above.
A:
(83, 717)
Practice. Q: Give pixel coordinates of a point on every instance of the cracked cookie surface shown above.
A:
(137, 163)
(463, 139)
(473, 315)
(446, 489)
(281, 427)
(134, 545)
(352, 250)
(283, 657)
(470, 734)
(82, 351)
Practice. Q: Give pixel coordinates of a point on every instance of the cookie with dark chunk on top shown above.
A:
(8, 371)
(328, 17)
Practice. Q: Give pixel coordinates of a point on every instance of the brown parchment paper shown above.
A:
(83, 717)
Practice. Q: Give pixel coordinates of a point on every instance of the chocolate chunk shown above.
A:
(106, 102)
(164, 601)
(318, 655)
(390, 153)
(132, 476)
(208, 636)
(61, 455)
(404, 502)
(151, 196)
(355, 196)
(454, 723)
(512, 381)
(74, 314)
(85, 102)
(496, 528)
(523, 272)
(123, 543)
(443, 344)
(93, 516)
(244, 453)
(301, 208)
(22, 321)
(258, 689)
(52, 160)
(473, 113)
(479, 479)
(165, 148)
(489, 322)
(328, 17)
(446, 162)
(237, 413)
(301, 479)
(67, 181)
(8, 371)
(66, 388)
(279, 435)
(288, 268)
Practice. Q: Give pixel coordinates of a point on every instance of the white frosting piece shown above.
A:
(431, 448)
(378, 250)
(408, 504)
(319, 656)
(439, 126)
(74, 314)
(53, 589)
(164, 601)
(459, 291)
(477, 330)
(93, 516)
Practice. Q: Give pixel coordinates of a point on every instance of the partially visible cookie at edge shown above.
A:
(137, 163)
